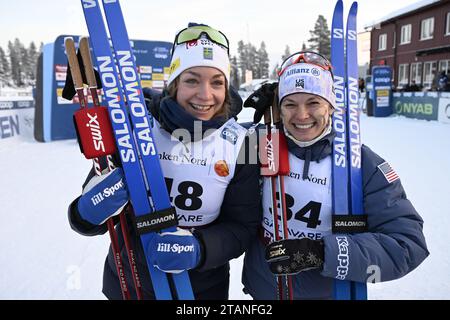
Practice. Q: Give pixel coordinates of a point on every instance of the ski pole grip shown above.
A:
(73, 62)
(87, 61)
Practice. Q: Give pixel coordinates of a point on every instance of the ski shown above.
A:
(359, 289)
(140, 164)
(342, 287)
(141, 119)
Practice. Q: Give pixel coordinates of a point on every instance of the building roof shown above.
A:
(401, 12)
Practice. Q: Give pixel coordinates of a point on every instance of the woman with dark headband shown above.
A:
(217, 199)
(393, 241)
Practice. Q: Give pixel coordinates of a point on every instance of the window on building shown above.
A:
(429, 72)
(427, 29)
(405, 36)
(382, 39)
(444, 65)
(416, 73)
(403, 75)
(447, 24)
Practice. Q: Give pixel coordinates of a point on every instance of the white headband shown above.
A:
(199, 53)
(306, 78)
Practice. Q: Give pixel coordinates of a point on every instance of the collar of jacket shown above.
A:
(316, 152)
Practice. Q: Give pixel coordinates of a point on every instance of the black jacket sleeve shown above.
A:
(240, 217)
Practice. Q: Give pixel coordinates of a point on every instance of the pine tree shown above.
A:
(14, 61)
(25, 62)
(274, 74)
(234, 76)
(320, 37)
(263, 62)
(4, 65)
(304, 47)
(33, 55)
(287, 53)
(242, 60)
(252, 60)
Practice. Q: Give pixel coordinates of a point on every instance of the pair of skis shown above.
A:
(348, 206)
(131, 125)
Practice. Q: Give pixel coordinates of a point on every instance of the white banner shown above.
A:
(16, 122)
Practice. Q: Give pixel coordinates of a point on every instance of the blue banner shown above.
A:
(382, 90)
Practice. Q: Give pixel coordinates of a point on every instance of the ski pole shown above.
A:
(78, 82)
(273, 148)
(273, 202)
(92, 82)
(282, 171)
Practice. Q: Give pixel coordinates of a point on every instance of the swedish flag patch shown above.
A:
(208, 53)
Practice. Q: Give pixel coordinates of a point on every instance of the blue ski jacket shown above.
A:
(393, 246)
(224, 239)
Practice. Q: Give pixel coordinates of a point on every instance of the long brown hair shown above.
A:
(172, 89)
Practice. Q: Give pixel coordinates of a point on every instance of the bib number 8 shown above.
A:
(189, 195)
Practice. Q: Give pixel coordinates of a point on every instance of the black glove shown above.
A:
(261, 99)
(294, 255)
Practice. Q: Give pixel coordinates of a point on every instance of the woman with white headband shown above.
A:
(393, 240)
(216, 199)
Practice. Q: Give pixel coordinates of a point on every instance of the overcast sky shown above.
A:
(276, 22)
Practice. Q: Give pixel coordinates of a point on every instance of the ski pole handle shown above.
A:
(87, 62)
(75, 70)
(89, 69)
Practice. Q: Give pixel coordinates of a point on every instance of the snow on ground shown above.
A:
(42, 258)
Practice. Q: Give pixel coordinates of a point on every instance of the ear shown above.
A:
(331, 110)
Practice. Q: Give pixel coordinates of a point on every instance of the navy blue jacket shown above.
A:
(226, 238)
(393, 245)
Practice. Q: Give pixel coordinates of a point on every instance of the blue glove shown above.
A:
(174, 252)
(103, 197)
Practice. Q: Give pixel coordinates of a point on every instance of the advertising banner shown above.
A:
(382, 91)
(417, 105)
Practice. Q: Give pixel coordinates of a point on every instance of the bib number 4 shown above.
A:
(309, 214)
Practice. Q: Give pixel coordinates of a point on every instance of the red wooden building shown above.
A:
(415, 42)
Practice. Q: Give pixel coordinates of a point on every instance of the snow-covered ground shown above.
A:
(42, 258)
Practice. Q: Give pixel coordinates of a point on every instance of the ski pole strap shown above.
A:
(349, 224)
(156, 221)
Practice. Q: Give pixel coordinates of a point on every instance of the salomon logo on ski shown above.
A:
(117, 115)
(137, 107)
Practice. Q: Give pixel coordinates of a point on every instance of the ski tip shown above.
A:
(339, 5)
(354, 6)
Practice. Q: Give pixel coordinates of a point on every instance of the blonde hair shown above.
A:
(224, 111)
